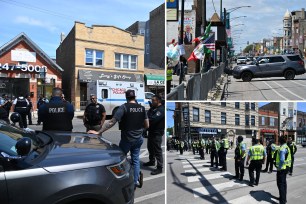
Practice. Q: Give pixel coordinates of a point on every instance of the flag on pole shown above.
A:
(210, 42)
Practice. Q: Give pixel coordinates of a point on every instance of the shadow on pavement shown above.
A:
(263, 196)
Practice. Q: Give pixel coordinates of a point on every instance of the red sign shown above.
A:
(118, 90)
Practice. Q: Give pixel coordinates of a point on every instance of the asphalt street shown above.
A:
(153, 190)
(191, 180)
(266, 89)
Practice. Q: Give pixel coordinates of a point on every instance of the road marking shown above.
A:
(153, 177)
(194, 165)
(276, 91)
(289, 91)
(149, 196)
(248, 199)
(197, 170)
(194, 161)
(209, 190)
(218, 175)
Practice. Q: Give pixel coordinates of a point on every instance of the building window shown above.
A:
(247, 106)
(223, 118)
(272, 121)
(247, 120)
(142, 31)
(237, 105)
(223, 104)
(237, 119)
(125, 61)
(253, 106)
(253, 120)
(94, 57)
(207, 116)
(284, 111)
(262, 120)
(195, 115)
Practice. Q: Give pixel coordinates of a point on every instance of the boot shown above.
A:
(157, 171)
(149, 163)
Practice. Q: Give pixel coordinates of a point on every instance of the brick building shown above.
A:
(268, 125)
(100, 50)
(27, 69)
(301, 127)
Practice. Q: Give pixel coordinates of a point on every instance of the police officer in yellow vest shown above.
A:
(239, 158)
(214, 148)
(282, 163)
(194, 146)
(169, 78)
(270, 151)
(181, 147)
(224, 145)
(293, 150)
(201, 148)
(257, 154)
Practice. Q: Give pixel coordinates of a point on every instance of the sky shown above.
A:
(301, 106)
(264, 18)
(43, 21)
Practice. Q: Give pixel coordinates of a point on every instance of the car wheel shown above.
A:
(289, 74)
(246, 76)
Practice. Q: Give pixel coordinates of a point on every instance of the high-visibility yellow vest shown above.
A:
(257, 152)
(287, 162)
(169, 74)
(240, 146)
(274, 147)
(225, 143)
(182, 144)
(194, 144)
(203, 143)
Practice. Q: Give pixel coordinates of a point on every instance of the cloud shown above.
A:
(35, 22)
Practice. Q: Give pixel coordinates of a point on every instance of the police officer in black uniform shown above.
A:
(56, 115)
(21, 106)
(156, 116)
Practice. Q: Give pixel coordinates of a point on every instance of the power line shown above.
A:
(212, 1)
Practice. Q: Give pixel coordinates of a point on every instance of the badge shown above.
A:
(158, 113)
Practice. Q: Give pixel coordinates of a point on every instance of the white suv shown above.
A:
(241, 60)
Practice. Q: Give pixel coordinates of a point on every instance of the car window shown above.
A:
(149, 95)
(294, 58)
(276, 59)
(263, 60)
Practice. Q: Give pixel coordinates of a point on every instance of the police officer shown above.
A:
(30, 110)
(181, 147)
(194, 146)
(224, 145)
(20, 105)
(56, 115)
(169, 78)
(293, 150)
(239, 158)
(132, 120)
(40, 102)
(214, 148)
(201, 149)
(207, 145)
(257, 154)
(269, 157)
(283, 163)
(156, 115)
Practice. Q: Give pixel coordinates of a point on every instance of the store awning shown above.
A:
(154, 80)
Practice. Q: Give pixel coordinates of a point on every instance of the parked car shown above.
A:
(52, 167)
(241, 60)
(304, 143)
(287, 66)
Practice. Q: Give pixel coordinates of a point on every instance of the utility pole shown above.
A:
(182, 22)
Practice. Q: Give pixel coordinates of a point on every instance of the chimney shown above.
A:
(63, 36)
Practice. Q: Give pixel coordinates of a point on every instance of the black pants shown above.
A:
(281, 181)
(292, 161)
(154, 148)
(181, 150)
(207, 150)
(177, 147)
(193, 150)
(213, 155)
(239, 168)
(169, 86)
(269, 162)
(30, 118)
(255, 165)
(223, 156)
(23, 120)
(201, 151)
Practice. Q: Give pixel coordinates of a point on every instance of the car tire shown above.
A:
(289, 74)
(246, 76)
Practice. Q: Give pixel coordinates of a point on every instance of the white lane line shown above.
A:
(276, 91)
(300, 84)
(289, 91)
(153, 177)
(208, 177)
(191, 166)
(198, 170)
(248, 199)
(209, 190)
(194, 161)
(149, 196)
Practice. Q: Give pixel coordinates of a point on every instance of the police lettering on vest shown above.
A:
(57, 117)
(133, 118)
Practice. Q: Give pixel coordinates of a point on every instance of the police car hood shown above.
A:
(71, 151)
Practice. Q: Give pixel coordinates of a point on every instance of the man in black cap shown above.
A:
(132, 120)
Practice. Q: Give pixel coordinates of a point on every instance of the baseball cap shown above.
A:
(130, 93)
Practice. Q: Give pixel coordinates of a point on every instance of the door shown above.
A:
(105, 100)
(276, 65)
(83, 96)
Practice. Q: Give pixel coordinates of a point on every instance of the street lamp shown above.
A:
(240, 24)
(237, 18)
(236, 8)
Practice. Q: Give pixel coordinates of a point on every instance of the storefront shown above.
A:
(301, 134)
(26, 69)
(154, 83)
(200, 132)
(268, 134)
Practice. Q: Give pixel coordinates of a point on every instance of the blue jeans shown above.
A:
(134, 148)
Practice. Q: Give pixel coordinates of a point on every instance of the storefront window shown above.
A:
(237, 119)
(207, 116)
(14, 86)
(223, 118)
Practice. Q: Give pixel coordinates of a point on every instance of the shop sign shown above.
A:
(155, 82)
(23, 67)
(23, 56)
(209, 131)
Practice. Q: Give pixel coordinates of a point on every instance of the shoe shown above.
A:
(149, 163)
(269, 172)
(157, 171)
(250, 184)
(290, 174)
(140, 179)
(241, 179)
(235, 177)
(256, 184)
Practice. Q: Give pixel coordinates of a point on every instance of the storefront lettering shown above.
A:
(23, 67)
(118, 90)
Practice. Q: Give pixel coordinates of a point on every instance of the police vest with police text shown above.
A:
(133, 118)
(257, 152)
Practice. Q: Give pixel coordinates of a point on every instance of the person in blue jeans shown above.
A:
(132, 119)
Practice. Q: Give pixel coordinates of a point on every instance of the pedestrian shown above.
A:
(21, 106)
(224, 145)
(239, 158)
(214, 148)
(156, 115)
(257, 155)
(40, 102)
(282, 163)
(177, 144)
(132, 119)
(30, 110)
(269, 157)
(94, 114)
(181, 147)
(56, 115)
(293, 149)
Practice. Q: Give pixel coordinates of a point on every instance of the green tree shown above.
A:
(248, 48)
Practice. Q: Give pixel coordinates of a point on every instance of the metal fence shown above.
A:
(177, 93)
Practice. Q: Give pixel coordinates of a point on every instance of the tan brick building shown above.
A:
(100, 50)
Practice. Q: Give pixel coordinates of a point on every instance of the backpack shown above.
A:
(93, 114)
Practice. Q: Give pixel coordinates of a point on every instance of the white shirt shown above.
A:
(15, 101)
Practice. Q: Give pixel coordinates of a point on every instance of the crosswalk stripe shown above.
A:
(197, 170)
(248, 199)
(208, 190)
(191, 166)
(208, 177)
(194, 161)
(153, 177)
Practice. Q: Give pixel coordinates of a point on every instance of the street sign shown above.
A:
(172, 10)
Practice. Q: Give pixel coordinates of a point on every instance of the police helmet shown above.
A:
(15, 117)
